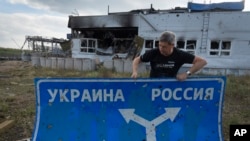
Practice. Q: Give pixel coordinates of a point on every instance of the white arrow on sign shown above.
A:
(128, 114)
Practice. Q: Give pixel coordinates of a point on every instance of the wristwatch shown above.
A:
(188, 73)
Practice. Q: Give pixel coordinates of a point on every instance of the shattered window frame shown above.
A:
(220, 48)
(88, 45)
(187, 45)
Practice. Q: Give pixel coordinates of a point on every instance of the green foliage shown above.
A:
(9, 51)
(66, 46)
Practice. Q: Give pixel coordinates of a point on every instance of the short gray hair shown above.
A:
(167, 36)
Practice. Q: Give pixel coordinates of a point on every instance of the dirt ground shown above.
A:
(17, 98)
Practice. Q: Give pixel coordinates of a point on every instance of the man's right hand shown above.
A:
(134, 75)
(135, 64)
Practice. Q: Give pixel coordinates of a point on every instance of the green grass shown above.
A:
(17, 98)
(236, 109)
(9, 51)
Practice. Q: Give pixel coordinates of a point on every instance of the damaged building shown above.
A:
(217, 32)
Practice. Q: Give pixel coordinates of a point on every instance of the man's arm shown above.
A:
(198, 64)
(135, 65)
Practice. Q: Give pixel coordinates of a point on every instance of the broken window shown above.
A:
(91, 45)
(149, 44)
(191, 46)
(88, 45)
(181, 44)
(225, 48)
(106, 40)
(188, 45)
(220, 48)
(156, 44)
(121, 45)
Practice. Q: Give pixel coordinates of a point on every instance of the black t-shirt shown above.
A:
(166, 66)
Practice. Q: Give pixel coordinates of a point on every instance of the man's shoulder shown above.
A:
(183, 54)
(178, 50)
(150, 54)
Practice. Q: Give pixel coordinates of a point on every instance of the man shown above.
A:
(166, 60)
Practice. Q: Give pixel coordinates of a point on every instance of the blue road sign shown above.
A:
(127, 109)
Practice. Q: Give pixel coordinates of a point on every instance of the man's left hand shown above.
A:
(182, 76)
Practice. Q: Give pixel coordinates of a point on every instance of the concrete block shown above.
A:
(35, 61)
(108, 64)
(119, 65)
(60, 63)
(48, 62)
(53, 62)
(42, 62)
(69, 63)
(128, 66)
(77, 64)
(88, 64)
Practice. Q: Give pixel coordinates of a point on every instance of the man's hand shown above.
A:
(135, 65)
(182, 76)
(134, 75)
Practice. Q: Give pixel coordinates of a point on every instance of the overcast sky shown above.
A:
(49, 18)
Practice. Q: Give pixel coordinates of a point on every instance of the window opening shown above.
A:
(188, 46)
(181, 44)
(149, 44)
(88, 45)
(156, 44)
(220, 48)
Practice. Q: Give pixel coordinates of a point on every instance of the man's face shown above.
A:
(166, 48)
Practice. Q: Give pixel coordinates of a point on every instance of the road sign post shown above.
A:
(127, 109)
